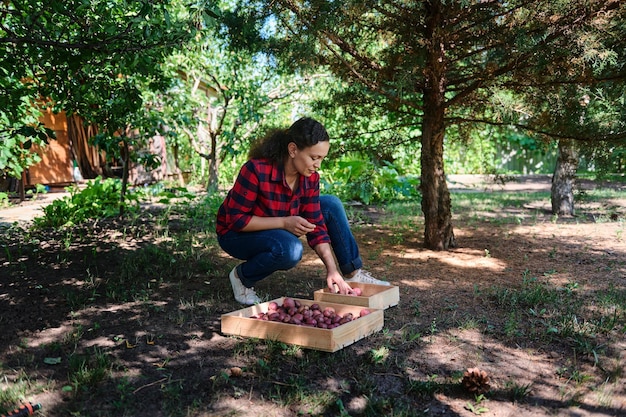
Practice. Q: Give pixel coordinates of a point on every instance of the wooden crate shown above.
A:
(373, 296)
(239, 323)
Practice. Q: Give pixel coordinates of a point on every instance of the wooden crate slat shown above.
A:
(373, 296)
(240, 323)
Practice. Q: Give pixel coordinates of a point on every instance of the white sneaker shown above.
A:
(243, 294)
(366, 278)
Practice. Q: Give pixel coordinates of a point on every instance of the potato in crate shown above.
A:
(329, 327)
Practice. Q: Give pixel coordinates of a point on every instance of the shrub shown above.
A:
(100, 199)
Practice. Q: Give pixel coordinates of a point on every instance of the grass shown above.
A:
(534, 309)
(17, 391)
(518, 392)
(89, 369)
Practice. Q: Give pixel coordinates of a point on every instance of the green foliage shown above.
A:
(470, 151)
(20, 128)
(476, 407)
(39, 189)
(431, 65)
(88, 370)
(605, 158)
(495, 57)
(227, 96)
(100, 199)
(13, 394)
(92, 58)
(533, 294)
(352, 178)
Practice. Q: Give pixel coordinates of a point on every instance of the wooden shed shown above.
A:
(71, 158)
(56, 165)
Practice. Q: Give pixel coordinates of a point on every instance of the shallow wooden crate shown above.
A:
(373, 296)
(240, 323)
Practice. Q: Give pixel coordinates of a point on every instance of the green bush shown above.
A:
(369, 182)
(100, 199)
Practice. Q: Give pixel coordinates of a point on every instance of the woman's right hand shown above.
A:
(298, 225)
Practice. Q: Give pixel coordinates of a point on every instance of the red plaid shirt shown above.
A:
(261, 190)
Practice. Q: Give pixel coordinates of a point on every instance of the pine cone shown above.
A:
(476, 381)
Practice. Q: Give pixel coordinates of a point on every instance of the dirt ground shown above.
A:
(173, 336)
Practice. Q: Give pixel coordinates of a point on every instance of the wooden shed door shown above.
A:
(55, 166)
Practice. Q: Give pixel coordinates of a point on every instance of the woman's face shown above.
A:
(308, 160)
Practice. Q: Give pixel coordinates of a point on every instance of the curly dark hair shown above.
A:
(304, 132)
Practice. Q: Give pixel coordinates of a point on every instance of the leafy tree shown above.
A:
(605, 113)
(93, 58)
(19, 128)
(438, 63)
(226, 94)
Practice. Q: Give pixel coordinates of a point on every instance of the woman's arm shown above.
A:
(294, 224)
(333, 276)
(258, 223)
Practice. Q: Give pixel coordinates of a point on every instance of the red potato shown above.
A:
(294, 312)
(356, 291)
(289, 302)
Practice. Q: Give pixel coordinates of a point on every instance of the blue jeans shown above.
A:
(268, 251)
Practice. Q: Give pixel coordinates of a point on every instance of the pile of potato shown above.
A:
(294, 312)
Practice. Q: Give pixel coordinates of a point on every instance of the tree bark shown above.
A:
(177, 170)
(436, 205)
(562, 192)
(125, 173)
(88, 157)
(212, 183)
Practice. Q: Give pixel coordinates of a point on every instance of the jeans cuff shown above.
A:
(347, 269)
(246, 283)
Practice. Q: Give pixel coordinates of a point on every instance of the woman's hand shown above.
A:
(336, 283)
(298, 225)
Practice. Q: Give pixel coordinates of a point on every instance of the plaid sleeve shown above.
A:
(237, 209)
(310, 210)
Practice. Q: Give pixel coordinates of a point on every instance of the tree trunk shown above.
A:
(436, 206)
(88, 158)
(212, 183)
(125, 173)
(562, 193)
(177, 170)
